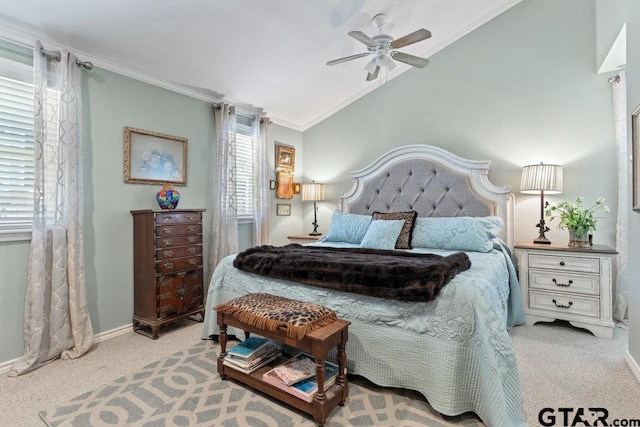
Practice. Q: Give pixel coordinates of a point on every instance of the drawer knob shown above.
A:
(561, 262)
(167, 230)
(192, 239)
(168, 265)
(562, 305)
(566, 285)
(181, 292)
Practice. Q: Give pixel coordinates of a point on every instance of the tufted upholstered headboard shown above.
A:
(433, 182)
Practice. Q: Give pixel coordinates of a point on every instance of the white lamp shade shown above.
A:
(541, 177)
(312, 192)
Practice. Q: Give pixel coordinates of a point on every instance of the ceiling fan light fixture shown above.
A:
(371, 66)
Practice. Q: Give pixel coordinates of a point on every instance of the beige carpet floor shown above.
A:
(560, 367)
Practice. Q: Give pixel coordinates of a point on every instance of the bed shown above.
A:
(455, 349)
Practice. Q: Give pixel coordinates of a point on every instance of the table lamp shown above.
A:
(540, 179)
(313, 192)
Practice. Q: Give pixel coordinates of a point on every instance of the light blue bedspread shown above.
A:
(455, 350)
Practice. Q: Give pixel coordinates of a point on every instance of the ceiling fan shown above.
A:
(382, 49)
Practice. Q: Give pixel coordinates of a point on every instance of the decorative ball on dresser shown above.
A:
(168, 197)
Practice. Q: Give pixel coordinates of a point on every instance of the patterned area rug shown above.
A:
(185, 390)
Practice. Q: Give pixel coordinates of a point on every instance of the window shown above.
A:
(244, 167)
(16, 150)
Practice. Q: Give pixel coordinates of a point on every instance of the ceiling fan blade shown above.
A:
(411, 38)
(374, 75)
(362, 37)
(348, 58)
(412, 60)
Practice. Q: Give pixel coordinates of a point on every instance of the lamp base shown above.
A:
(315, 233)
(542, 240)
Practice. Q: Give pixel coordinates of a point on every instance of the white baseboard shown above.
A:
(6, 366)
(633, 365)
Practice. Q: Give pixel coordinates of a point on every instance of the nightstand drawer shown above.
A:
(565, 263)
(563, 282)
(565, 303)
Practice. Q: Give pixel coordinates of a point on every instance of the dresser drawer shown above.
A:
(170, 242)
(178, 218)
(178, 230)
(565, 263)
(565, 303)
(564, 282)
(180, 264)
(178, 252)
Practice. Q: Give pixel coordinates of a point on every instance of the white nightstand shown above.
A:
(573, 284)
(303, 238)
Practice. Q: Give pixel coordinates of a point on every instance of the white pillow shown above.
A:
(382, 234)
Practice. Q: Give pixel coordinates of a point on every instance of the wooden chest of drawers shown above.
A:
(167, 267)
(573, 284)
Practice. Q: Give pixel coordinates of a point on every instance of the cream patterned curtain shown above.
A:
(621, 287)
(261, 169)
(224, 241)
(57, 322)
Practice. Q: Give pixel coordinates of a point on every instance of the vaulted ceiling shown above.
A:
(268, 54)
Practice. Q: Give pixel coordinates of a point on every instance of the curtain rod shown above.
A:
(56, 56)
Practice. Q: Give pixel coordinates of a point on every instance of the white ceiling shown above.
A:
(268, 54)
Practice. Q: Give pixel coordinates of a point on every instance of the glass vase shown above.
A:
(578, 238)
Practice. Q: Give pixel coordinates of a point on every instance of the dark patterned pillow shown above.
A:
(404, 239)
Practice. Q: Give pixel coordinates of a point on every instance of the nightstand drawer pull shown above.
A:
(167, 230)
(169, 254)
(561, 305)
(561, 262)
(562, 284)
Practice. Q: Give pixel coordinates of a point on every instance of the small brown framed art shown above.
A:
(285, 158)
(284, 185)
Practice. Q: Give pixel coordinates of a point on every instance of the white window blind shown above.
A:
(244, 168)
(16, 148)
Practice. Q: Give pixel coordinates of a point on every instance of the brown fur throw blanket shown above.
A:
(380, 273)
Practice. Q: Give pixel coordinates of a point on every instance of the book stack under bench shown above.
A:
(251, 354)
(314, 333)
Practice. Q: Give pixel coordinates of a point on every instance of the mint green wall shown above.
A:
(633, 101)
(520, 89)
(112, 102)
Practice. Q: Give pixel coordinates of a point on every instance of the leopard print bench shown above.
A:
(271, 312)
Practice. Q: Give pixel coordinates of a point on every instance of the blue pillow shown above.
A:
(382, 234)
(346, 227)
(456, 233)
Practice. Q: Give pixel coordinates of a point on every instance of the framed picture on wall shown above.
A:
(635, 141)
(154, 158)
(284, 185)
(285, 158)
(283, 210)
